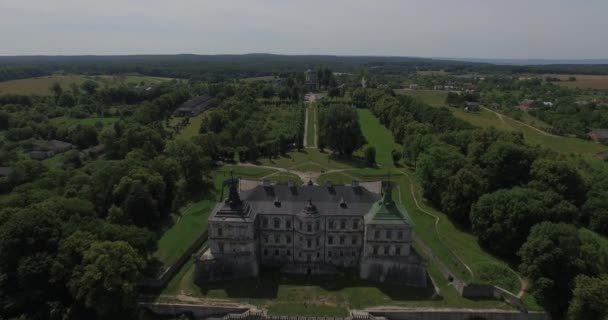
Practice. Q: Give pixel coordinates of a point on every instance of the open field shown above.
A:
(486, 118)
(436, 98)
(583, 81)
(41, 85)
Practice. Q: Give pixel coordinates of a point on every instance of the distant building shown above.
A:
(192, 107)
(599, 135)
(46, 149)
(5, 171)
(40, 155)
(526, 105)
(548, 104)
(413, 86)
(311, 80)
(311, 230)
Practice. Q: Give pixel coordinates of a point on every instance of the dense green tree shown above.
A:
(435, 166)
(561, 177)
(502, 219)
(370, 156)
(507, 164)
(113, 146)
(192, 162)
(141, 195)
(360, 98)
(396, 156)
(4, 120)
(107, 277)
(340, 130)
(552, 256)
(463, 190)
(589, 298)
(89, 86)
(57, 90)
(84, 136)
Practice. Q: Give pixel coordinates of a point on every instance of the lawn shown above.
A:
(311, 128)
(41, 85)
(377, 136)
(326, 160)
(191, 129)
(331, 295)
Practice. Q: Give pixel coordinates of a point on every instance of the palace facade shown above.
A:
(311, 230)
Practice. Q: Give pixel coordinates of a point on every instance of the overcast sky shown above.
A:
(557, 29)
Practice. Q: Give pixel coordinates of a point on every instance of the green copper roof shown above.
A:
(386, 211)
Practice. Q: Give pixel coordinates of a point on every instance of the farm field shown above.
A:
(583, 81)
(486, 118)
(41, 85)
(436, 98)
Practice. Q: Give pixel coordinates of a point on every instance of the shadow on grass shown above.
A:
(266, 286)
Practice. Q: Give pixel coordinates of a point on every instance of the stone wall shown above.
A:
(198, 311)
(458, 314)
(169, 272)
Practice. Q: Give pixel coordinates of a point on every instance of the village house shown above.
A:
(311, 230)
(526, 105)
(413, 86)
(599, 135)
(192, 107)
(42, 150)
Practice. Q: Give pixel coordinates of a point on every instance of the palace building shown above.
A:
(311, 230)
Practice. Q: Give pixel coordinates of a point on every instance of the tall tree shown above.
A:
(590, 298)
(503, 219)
(106, 280)
(340, 130)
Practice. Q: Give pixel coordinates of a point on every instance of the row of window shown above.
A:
(276, 239)
(332, 225)
(330, 253)
(386, 250)
(388, 234)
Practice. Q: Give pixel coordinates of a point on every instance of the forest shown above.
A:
(529, 205)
